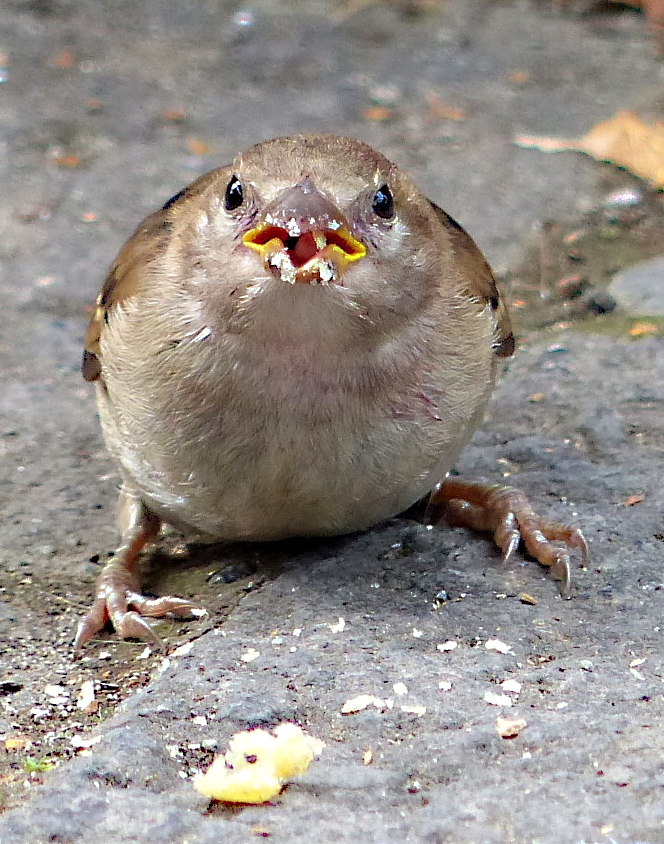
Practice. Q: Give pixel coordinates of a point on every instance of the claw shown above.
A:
(133, 626)
(577, 540)
(508, 515)
(91, 623)
(561, 571)
(513, 544)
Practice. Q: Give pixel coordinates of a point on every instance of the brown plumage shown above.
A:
(297, 344)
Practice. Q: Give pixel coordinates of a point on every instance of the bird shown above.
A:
(298, 344)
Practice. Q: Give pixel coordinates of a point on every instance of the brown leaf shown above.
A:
(65, 58)
(174, 115)
(643, 329)
(198, 147)
(377, 113)
(631, 500)
(624, 140)
(440, 109)
(64, 159)
(519, 77)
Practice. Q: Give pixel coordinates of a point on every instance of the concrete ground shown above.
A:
(106, 110)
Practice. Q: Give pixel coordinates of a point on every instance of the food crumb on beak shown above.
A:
(318, 256)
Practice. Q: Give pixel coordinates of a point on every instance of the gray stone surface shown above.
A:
(639, 289)
(588, 766)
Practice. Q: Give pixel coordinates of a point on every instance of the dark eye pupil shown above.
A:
(234, 194)
(383, 203)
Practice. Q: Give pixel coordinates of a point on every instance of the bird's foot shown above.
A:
(119, 600)
(507, 513)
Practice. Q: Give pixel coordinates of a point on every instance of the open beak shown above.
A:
(304, 239)
(310, 257)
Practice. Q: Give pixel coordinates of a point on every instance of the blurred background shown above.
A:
(108, 108)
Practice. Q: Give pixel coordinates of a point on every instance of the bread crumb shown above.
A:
(258, 764)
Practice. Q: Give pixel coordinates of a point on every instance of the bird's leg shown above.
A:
(118, 585)
(506, 512)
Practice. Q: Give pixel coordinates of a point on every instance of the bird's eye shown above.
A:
(234, 196)
(383, 203)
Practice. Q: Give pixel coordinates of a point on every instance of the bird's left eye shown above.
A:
(234, 196)
(383, 203)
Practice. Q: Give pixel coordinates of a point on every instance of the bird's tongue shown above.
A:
(304, 249)
(316, 256)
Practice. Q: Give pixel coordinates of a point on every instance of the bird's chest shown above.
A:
(308, 452)
(288, 447)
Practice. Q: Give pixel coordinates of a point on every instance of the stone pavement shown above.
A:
(110, 108)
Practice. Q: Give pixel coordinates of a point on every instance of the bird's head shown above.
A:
(320, 225)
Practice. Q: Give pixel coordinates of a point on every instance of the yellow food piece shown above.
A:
(253, 784)
(293, 751)
(258, 763)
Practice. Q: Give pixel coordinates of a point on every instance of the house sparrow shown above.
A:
(298, 344)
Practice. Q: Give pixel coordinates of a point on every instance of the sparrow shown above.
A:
(297, 344)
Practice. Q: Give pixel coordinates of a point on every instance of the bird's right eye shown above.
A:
(234, 196)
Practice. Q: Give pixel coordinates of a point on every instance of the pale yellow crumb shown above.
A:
(258, 763)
